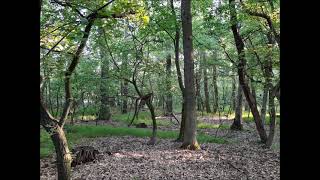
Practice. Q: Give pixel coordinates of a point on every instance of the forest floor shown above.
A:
(243, 157)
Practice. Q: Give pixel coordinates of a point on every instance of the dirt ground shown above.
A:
(131, 158)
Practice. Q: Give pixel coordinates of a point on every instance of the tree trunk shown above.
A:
(168, 83)
(189, 140)
(264, 104)
(272, 114)
(180, 81)
(64, 158)
(241, 72)
(125, 97)
(70, 70)
(59, 140)
(238, 111)
(205, 86)
(104, 112)
(153, 139)
(198, 92)
(215, 88)
(233, 95)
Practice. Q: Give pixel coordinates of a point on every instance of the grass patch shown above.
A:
(143, 117)
(249, 118)
(77, 132)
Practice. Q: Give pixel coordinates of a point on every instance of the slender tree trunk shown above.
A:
(215, 88)
(124, 97)
(205, 86)
(180, 81)
(238, 111)
(272, 114)
(233, 95)
(70, 70)
(241, 72)
(264, 103)
(59, 140)
(189, 140)
(168, 83)
(198, 92)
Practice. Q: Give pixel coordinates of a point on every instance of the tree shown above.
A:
(205, 85)
(242, 72)
(236, 125)
(169, 86)
(190, 140)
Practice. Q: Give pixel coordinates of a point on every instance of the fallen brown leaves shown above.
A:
(131, 158)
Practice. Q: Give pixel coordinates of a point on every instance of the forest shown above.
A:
(159, 89)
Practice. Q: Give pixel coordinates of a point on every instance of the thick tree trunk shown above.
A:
(241, 72)
(189, 140)
(215, 89)
(205, 86)
(238, 113)
(168, 84)
(64, 158)
(104, 112)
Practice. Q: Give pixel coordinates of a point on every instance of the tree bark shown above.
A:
(233, 95)
(238, 113)
(104, 112)
(264, 103)
(168, 84)
(190, 140)
(70, 70)
(59, 140)
(124, 97)
(198, 92)
(205, 86)
(215, 88)
(180, 81)
(241, 72)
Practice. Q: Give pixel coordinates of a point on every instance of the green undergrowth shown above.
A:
(143, 117)
(77, 132)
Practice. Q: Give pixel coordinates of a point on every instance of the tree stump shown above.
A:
(83, 154)
(141, 125)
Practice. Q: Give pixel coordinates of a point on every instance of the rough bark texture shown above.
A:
(168, 84)
(215, 89)
(59, 140)
(190, 140)
(236, 125)
(205, 86)
(241, 72)
(83, 154)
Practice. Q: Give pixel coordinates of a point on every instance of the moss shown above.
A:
(193, 146)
